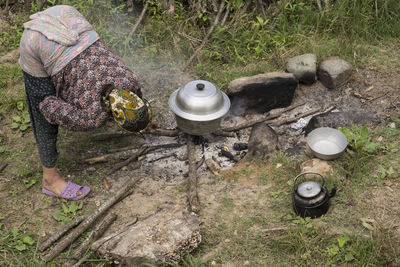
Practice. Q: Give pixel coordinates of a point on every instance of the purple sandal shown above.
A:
(70, 191)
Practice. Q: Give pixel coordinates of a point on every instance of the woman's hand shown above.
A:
(153, 125)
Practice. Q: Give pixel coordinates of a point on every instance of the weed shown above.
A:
(68, 211)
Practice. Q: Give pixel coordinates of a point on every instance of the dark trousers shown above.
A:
(37, 89)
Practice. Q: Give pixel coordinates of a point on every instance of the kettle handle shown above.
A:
(303, 173)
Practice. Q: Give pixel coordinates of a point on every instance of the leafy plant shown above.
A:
(340, 251)
(68, 211)
(359, 140)
(17, 239)
(21, 121)
(28, 183)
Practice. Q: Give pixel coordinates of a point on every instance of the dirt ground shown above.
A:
(238, 185)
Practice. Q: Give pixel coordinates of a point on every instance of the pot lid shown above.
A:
(199, 100)
(309, 189)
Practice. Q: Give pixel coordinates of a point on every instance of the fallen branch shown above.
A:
(125, 190)
(139, 20)
(252, 123)
(221, 7)
(94, 235)
(193, 198)
(75, 221)
(3, 166)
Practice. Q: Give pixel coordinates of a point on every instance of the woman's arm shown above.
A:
(59, 112)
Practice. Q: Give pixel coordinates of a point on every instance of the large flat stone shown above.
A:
(262, 92)
(165, 236)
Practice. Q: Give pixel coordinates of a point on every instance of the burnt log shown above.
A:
(262, 92)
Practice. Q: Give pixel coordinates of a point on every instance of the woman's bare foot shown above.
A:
(53, 181)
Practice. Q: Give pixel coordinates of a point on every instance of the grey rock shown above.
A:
(261, 93)
(304, 68)
(334, 72)
(263, 141)
(165, 236)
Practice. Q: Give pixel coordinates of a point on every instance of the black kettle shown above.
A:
(311, 199)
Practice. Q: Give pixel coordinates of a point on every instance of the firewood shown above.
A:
(74, 222)
(193, 198)
(164, 132)
(305, 114)
(125, 190)
(252, 123)
(141, 152)
(94, 235)
(163, 157)
(106, 136)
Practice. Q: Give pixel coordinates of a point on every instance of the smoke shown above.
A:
(156, 65)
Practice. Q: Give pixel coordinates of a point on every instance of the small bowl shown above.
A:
(326, 143)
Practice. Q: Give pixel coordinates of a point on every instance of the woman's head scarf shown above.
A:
(129, 111)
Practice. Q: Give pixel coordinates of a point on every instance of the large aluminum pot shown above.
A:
(199, 106)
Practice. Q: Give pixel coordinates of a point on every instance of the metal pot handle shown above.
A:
(303, 173)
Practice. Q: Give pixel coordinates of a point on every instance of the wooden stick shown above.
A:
(163, 157)
(225, 134)
(3, 166)
(82, 260)
(127, 153)
(252, 123)
(287, 121)
(193, 198)
(164, 132)
(126, 148)
(75, 221)
(140, 153)
(101, 241)
(221, 7)
(125, 190)
(226, 13)
(106, 136)
(94, 235)
(305, 114)
(146, 5)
